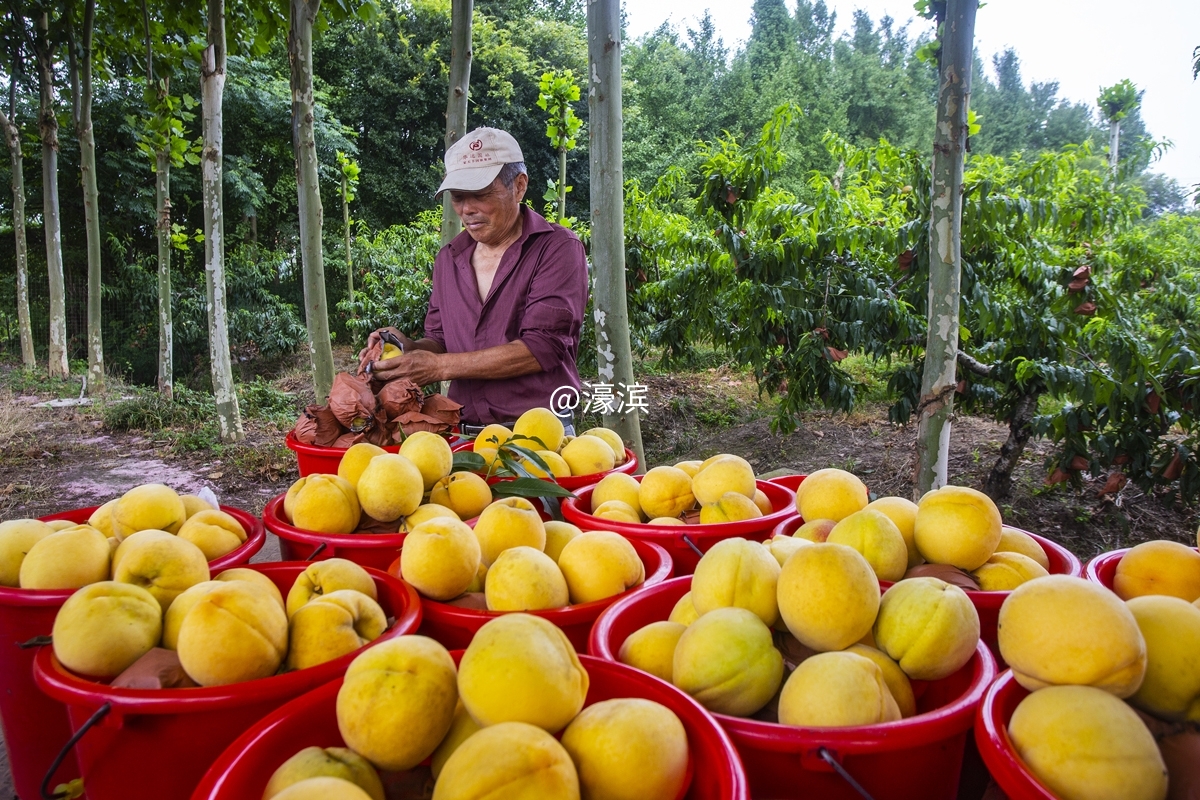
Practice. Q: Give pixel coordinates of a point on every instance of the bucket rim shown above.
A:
(955, 717)
(782, 499)
(256, 537)
(567, 615)
(65, 686)
(995, 746)
(1099, 562)
(215, 779)
(296, 446)
(274, 522)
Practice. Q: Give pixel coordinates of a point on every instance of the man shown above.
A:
(508, 298)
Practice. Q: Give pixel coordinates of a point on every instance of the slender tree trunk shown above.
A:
(166, 334)
(615, 359)
(456, 103)
(1020, 428)
(12, 136)
(1114, 145)
(562, 184)
(945, 262)
(51, 224)
(91, 199)
(346, 228)
(162, 224)
(316, 311)
(212, 90)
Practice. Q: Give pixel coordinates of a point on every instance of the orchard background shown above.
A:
(777, 203)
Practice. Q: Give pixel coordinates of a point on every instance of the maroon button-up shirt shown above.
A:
(538, 296)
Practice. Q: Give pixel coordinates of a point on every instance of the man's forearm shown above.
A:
(428, 345)
(503, 361)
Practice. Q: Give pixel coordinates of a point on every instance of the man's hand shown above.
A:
(419, 366)
(404, 340)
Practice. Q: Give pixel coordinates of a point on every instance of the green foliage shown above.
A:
(350, 170)
(1119, 100)
(557, 91)
(394, 272)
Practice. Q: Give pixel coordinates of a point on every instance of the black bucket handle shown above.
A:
(100, 714)
(321, 548)
(688, 541)
(829, 759)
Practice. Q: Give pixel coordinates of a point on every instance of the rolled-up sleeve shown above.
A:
(553, 318)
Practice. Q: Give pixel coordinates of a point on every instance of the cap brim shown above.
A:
(469, 180)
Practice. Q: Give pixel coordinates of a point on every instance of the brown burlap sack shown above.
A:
(352, 402)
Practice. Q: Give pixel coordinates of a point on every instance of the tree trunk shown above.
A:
(162, 224)
(316, 311)
(1020, 428)
(12, 136)
(346, 228)
(945, 261)
(562, 184)
(1114, 145)
(212, 90)
(91, 208)
(166, 334)
(614, 356)
(51, 224)
(456, 102)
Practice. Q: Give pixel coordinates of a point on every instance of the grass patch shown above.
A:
(870, 375)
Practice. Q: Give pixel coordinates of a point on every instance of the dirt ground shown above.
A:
(58, 459)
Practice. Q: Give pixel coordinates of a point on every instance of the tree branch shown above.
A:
(975, 367)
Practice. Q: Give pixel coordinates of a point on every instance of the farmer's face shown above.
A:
(491, 215)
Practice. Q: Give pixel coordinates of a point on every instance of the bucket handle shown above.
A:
(100, 714)
(688, 541)
(829, 759)
(321, 548)
(37, 641)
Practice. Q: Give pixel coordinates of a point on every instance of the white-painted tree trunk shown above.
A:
(945, 258)
(212, 90)
(308, 189)
(456, 101)
(91, 203)
(12, 137)
(166, 333)
(614, 356)
(1114, 145)
(51, 223)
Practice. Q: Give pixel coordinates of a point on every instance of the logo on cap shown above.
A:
(475, 145)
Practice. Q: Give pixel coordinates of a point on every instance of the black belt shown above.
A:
(467, 429)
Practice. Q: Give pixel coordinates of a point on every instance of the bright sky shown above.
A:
(1082, 44)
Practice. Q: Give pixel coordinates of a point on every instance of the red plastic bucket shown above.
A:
(35, 727)
(683, 541)
(368, 549)
(1103, 568)
(991, 737)
(157, 744)
(312, 459)
(454, 627)
(918, 758)
(242, 771)
(788, 481)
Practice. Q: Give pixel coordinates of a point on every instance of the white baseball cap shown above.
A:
(474, 161)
